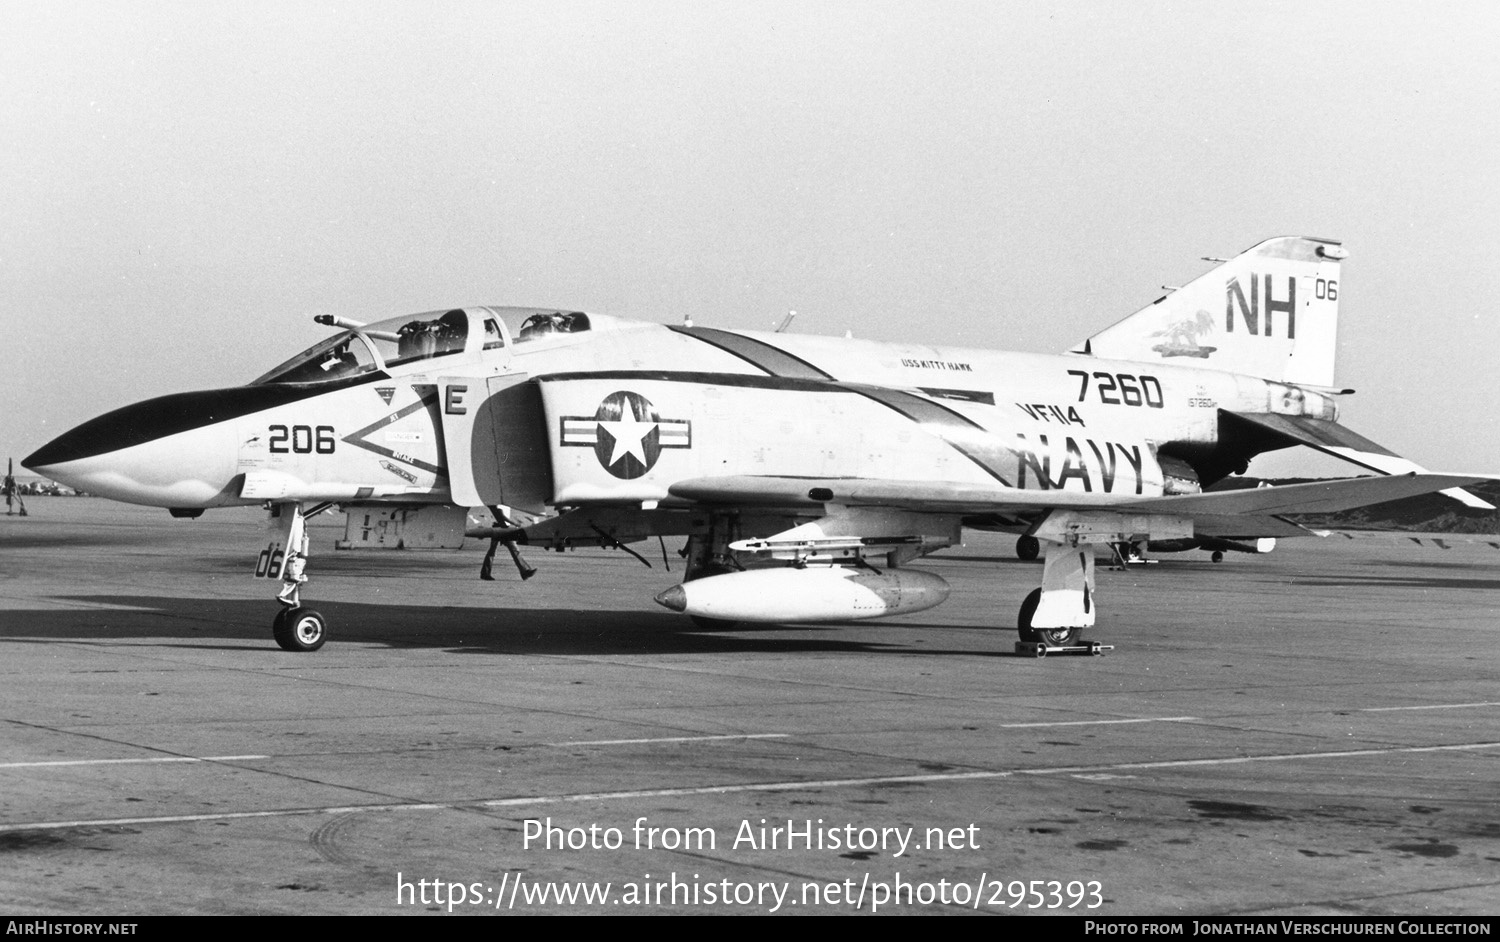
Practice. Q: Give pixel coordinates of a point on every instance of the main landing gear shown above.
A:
(296, 627)
(1056, 637)
(708, 554)
(1052, 618)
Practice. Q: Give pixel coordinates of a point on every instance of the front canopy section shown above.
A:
(396, 341)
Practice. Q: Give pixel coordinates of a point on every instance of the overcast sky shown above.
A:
(185, 184)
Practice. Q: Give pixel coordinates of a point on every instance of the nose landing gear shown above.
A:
(296, 627)
(299, 629)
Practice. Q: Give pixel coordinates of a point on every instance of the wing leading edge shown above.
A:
(951, 498)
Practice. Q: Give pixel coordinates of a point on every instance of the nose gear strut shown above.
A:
(297, 628)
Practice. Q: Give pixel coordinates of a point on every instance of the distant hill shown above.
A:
(1429, 513)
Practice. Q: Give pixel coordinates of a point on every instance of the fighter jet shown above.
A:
(807, 473)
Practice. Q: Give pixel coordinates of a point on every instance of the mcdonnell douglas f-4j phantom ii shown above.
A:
(805, 472)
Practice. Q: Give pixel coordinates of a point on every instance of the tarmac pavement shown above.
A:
(1314, 731)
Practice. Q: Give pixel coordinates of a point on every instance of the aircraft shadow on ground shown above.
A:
(185, 622)
(1486, 566)
(1402, 582)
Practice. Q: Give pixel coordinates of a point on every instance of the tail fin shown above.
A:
(1271, 311)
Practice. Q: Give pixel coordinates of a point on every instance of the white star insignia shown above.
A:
(629, 435)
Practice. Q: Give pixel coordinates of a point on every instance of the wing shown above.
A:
(1246, 513)
(956, 498)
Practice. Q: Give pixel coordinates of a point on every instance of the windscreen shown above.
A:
(372, 347)
(338, 357)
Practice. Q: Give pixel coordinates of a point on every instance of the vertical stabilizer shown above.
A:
(1271, 311)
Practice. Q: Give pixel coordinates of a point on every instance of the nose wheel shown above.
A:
(299, 629)
(296, 627)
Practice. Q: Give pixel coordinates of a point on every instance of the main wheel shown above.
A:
(1057, 637)
(299, 629)
(1028, 548)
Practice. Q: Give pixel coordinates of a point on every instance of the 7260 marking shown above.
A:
(1132, 390)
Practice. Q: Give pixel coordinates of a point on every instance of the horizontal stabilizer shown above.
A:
(1333, 439)
(1310, 498)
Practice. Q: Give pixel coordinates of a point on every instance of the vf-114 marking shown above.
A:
(1046, 412)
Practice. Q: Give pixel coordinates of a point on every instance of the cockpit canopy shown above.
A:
(402, 340)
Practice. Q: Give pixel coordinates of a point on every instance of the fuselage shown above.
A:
(557, 408)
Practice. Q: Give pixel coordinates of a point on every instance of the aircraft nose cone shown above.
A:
(674, 598)
(124, 428)
(69, 446)
(168, 452)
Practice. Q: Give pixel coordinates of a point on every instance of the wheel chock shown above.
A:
(1038, 649)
